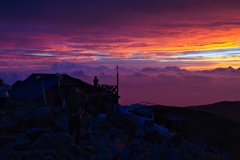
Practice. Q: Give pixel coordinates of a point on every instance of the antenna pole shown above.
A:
(117, 88)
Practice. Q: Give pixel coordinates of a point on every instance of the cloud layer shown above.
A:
(190, 34)
(166, 86)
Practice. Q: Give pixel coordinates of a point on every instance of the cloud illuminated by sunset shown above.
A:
(175, 31)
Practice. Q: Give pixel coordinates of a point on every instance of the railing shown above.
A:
(110, 88)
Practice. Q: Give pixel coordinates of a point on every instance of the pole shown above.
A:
(44, 97)
(117, 88)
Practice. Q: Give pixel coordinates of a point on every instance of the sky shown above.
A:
(175, 52)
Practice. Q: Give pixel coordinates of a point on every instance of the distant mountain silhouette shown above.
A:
(227, 109)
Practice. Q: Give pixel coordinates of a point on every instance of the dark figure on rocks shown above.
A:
(76, 102)
(3, 94)
(95, 81)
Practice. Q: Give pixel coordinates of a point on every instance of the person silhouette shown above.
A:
(3, 94)
(76, 102)
(95, 81)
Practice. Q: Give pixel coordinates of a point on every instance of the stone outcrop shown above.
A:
(41, 133)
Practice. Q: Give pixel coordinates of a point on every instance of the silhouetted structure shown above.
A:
(95, 81)
(164, 115)
(57, 87)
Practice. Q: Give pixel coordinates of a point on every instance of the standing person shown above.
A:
(76, 102)
(95, 81)
(3, 93)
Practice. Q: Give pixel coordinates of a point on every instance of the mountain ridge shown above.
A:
(226, 109)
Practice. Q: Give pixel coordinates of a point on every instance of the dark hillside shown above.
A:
(226, 109)
(215, 130)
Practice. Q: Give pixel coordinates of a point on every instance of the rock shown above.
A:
(21, 144)
(20, 115)
(101, 156)
(6, 140)
(113, 150)
(186, 156)
(170, 154)
(117, 137)
(59, 142)
(118, 143)
(130, 126)
(63, 122)
(4, 125)
(14, 123)
(201, 158)
(78, 152)
(35, 133)
(176, 140)
(99, 124)
(49, 152)
(134, 148)
(97, 136)
(125, 153)
(107, 150)
(9, 153)
(211, 156)
(149, 122)
(48, 158)
(146, 155)
(34, 154)
(153, 136)
(2, 113)
(89, 146)
(43, 118)
(111, 136)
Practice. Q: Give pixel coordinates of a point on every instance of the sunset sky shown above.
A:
(177, 50)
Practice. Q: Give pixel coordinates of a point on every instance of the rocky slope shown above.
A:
(39, 132)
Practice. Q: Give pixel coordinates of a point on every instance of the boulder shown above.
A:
(35, 133)
(10, 153)
(99, 124)
(149, 122)
(134, 149)
(6, 140)
(97, 136)
(153, 136)
(43, 118)
(114, 133)
(21, 144)
(78, 152)
(63, 122)
(130, 125)
(89, 146)
(117, 137)
(4, 125)
(176, 140)
(59, 142)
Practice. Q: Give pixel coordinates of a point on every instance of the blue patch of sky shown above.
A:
(101, 53)
(43, 54)
(209, 53)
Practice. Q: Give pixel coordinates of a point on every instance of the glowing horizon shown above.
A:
(198, 35)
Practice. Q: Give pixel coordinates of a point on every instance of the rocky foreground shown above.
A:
(38, 132)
